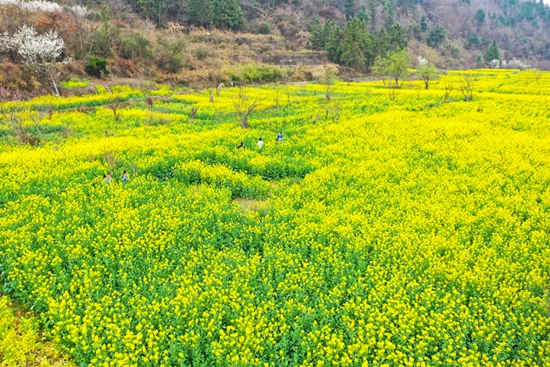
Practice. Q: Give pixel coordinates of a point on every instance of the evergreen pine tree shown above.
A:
(390, 15)
(355, 45)
(436, 36)
(397, 37)
(424, 24)
(334, 44)
(381, 43)
(317, 37)
(349, 6)
(329, 24)
(362, 14)
(492, 52)
(372, 9)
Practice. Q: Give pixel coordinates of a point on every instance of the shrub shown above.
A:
(169, 58)
(135, 46)
(96, 66)
(265, 28)
(8, 94)
(262, 74)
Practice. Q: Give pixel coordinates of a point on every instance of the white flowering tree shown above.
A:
(38, 5)
(38, 51)
(493, 64)
(515, 64)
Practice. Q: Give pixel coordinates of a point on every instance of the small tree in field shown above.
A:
(244, 107)
(398, 64)
(379, 69)
(328, 78)
(449, 87)
(467, 88)
(427, 71)
(394, 65)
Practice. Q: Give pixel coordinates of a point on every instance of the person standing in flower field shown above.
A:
(107, 178)
(280, 137)
(260, 143)
(125, 177)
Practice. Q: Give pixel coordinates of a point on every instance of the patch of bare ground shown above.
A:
(252, 205)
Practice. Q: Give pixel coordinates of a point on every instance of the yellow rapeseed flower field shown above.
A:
(404, 227)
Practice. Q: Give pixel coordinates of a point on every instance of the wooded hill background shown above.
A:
(201, 42)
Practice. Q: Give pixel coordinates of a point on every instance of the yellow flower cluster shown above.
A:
(21, 343)
(394, 229)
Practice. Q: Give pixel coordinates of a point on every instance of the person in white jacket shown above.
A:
(260, 143)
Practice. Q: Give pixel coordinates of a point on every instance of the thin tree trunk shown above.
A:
(54, 84)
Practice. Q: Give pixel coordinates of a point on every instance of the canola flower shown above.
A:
(395, 231)
(21, 342)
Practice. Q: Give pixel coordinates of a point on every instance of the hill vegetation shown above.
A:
(205, 42)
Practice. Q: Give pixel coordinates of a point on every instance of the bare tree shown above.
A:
(193, 114)
(393, 92)
(537, 74)
(244, 107)
(15, 119)
(115, 106)
(84, 27)
(449, 87)
(467, 88)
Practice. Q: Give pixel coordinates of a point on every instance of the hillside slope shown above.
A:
(521, 28)
(201, 43)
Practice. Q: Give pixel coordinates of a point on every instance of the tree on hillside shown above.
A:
(154, 10)
(473, 40)
(362, 15)
(40, 52)
(381, 42)
(228, 14)
(436, 36)
(334, 44)
(349, 6)
(397, 37)
(389, 13)
(317, 37)
(373, 19)
(356, 45)
(492, 52)
(480, 15)
(424, 24)
(201, 12)
(84, 28)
